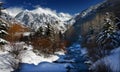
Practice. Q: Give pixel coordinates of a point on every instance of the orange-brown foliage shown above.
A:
(15, 32)
(45, 45)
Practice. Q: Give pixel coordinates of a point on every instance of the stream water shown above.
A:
(74, 63)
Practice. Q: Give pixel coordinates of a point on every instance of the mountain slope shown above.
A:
(91, 17)
(41, 17)
(85, 16)
(98, 30)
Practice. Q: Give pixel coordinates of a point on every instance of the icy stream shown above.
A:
(72, 61)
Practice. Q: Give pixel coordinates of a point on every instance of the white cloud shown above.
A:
(13, 11)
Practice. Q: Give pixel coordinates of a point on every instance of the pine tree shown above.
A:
(50, 31)
(3, 29)
(108, 38)
(39, 32)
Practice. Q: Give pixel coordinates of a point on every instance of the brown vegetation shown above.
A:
(15, 32)
(47, 46)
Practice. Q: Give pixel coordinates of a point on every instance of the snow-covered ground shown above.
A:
(30, 57)
(8, 60)
(59, 62)
(26, 55)
(112, 61)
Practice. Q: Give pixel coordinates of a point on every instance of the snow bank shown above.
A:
(60, 53)
(7, 62)
(3, 52)
(30, 57)
(26, 54)
(115, 50)
(17, 47)
(112, 61)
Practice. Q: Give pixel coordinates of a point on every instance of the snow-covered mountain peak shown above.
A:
(45, 11)
(25, 12)
(91, 9)
(42, 16)
(64, 16)
(48, 12)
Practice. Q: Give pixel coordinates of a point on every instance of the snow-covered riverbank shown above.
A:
(27, 57)
(7, 62)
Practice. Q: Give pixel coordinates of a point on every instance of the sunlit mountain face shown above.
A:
(59, 36)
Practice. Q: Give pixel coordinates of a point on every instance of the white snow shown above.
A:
(42, 16)
(28, 47)
(111, 61)
(26, 34)
(60, 53)
(64, 16)
(28, 56)
(90, 10)
(83, 51)
(88, 62)
(3, 52)
(12, 11)
(3, 31)
(46, 11)
(116, 50)
(3, 41)
(7, 62)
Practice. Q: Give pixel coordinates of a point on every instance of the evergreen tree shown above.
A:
(39, 32)
(3, 29)
(108, 38)
(50, 30)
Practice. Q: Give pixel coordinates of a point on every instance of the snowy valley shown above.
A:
(42, 40)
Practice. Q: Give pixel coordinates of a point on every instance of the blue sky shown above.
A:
(67, 6)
